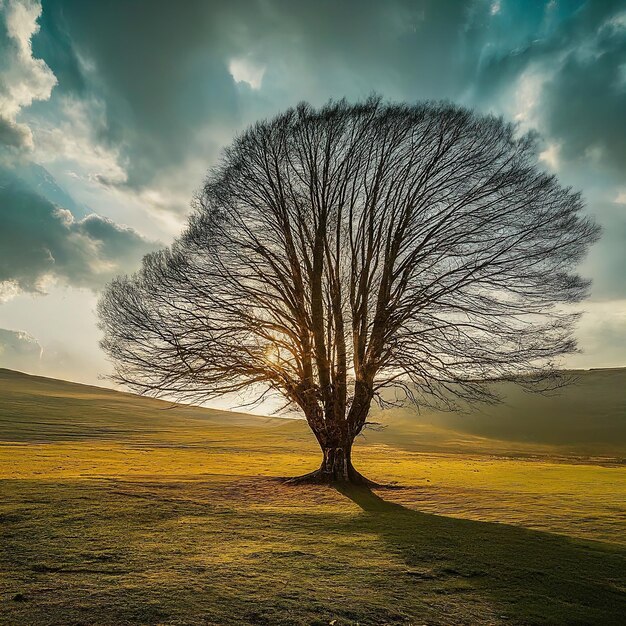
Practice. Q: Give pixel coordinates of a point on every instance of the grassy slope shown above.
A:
(587, 417)
(35, 408)
(116, 510)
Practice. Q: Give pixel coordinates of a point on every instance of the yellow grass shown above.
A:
(116, 510)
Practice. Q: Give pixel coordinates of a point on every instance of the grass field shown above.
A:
(122, 510)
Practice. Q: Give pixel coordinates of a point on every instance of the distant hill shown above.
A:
(587, 418)
(35, 408)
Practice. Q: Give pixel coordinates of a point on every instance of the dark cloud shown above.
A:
(162, 68)
(43, 183)
(585, 102)
(40, 239)
(148, 91)
(580, 49)
(145, 59)
(54, 44)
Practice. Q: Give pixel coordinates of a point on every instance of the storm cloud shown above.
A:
(574, 75)
(177, 81)
(41, 241)
(128, 104)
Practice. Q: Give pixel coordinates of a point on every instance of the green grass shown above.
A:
(114, 510)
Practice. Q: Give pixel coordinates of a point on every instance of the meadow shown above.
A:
(116, 509)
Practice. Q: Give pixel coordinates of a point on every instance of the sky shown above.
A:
(112, 112)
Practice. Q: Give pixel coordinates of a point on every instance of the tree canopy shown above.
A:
(337, 252)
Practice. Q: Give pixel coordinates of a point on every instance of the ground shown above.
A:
(118, 510)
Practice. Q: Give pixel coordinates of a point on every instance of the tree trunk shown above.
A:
(336, 464)
(336, 467)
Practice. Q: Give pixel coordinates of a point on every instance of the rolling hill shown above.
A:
(585, 419)
(117, 509)
(36, 408)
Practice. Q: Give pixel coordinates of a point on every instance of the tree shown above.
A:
(337, 252)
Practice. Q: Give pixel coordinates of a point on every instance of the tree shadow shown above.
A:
(521, 575)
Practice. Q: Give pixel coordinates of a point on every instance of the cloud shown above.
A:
(561, 68)
(43, 183)
(566, 77)
(23, 77)
(19, 351)
(151, 113)
(41, 242)
(152, 117)
(15, 135)
(165, 104)
(245, 70)
(66, 329)
(148, 92)
(71, 135)
(584, 103)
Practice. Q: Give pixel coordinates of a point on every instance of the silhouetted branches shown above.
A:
(337, 252)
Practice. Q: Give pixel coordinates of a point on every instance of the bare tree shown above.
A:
(337, 252)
